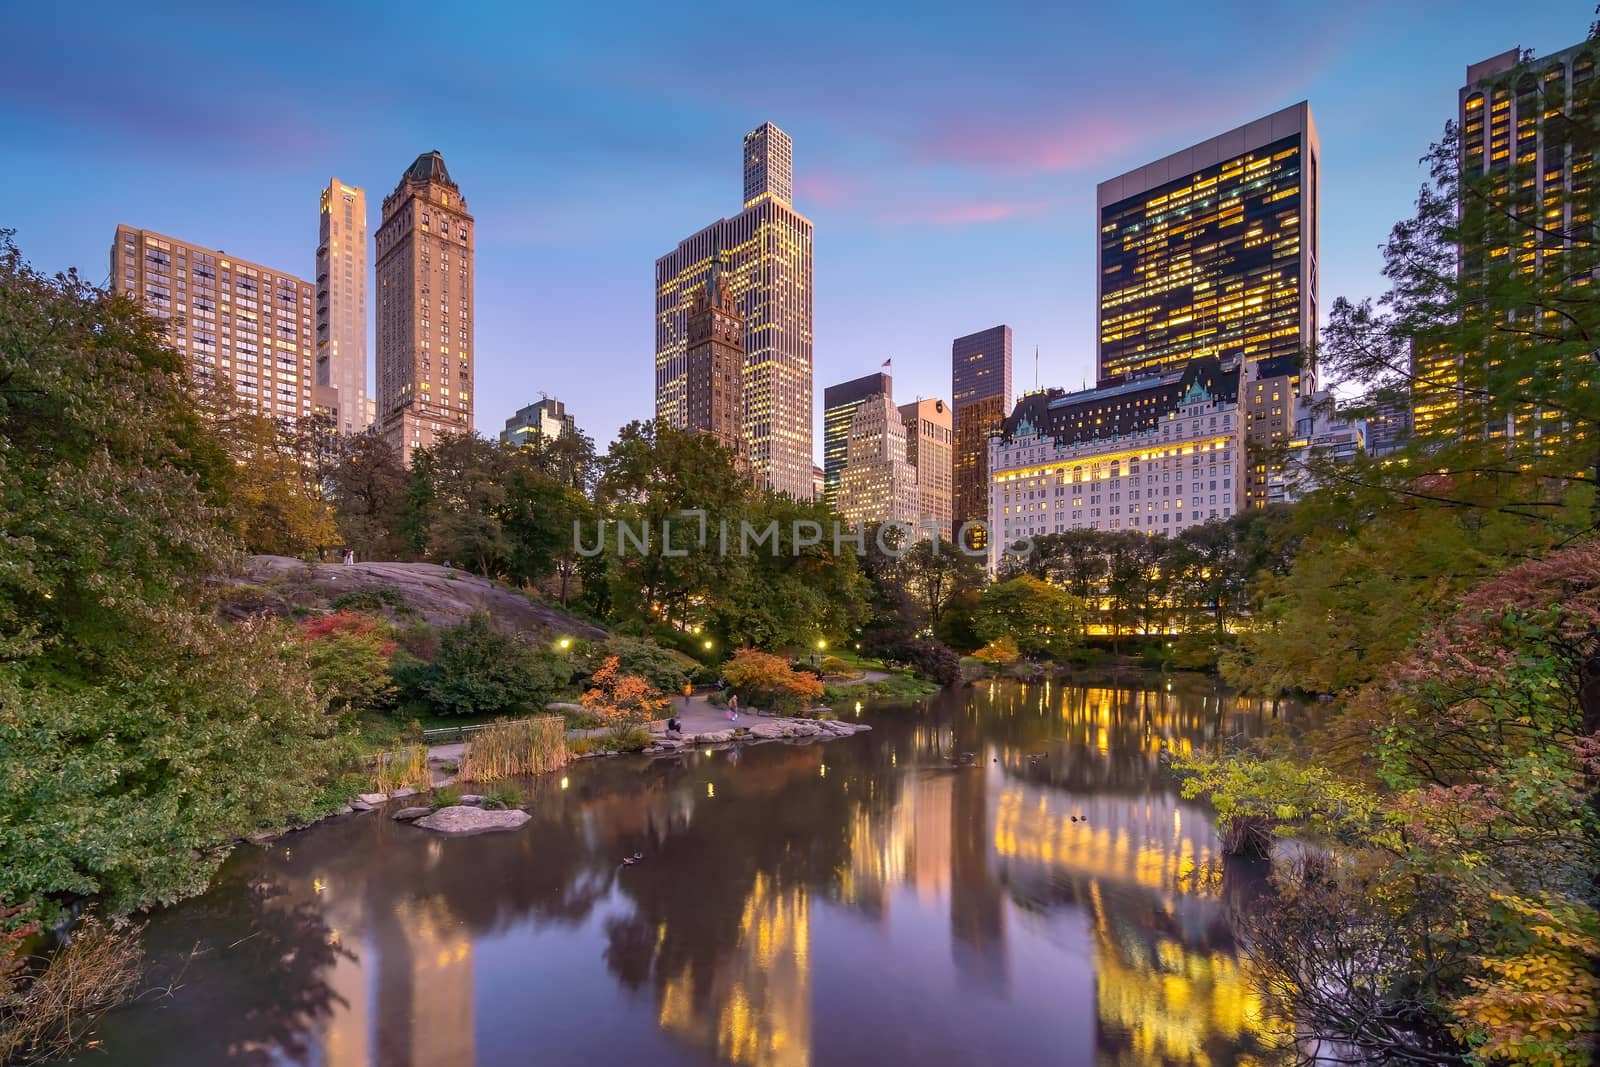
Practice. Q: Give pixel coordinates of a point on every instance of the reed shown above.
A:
(531, 746)
(404, 768)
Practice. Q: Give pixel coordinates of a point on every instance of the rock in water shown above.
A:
(460, 820)
(373, 799)
(408, 814)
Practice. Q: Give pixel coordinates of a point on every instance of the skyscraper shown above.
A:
(839, 404)
(766, 251)
(547, 418)
(342, 303)
(1516, 123)
(714, 389)
(980, 399)
(930, 440)
(262, 352)
(877, 484)
(1212, 251)
(424, 281)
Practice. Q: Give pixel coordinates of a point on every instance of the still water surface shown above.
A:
(1006, 876)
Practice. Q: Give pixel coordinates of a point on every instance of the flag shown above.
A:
(887, 362)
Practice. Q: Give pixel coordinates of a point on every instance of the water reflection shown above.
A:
(1005, 876)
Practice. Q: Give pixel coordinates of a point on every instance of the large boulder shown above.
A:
(461, 820)
(410, 814)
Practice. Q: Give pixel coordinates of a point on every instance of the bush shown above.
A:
(663, 668)
(446, 796)
(838, 668)
(532, 746)
(384, 596)
(1001, 652)
(633, 739)
(767, 681)
(503, 795)
(480, 671)
(931, 658)
(349, 656)
(582, 746)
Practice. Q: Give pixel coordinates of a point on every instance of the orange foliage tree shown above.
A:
(768, 681)
(623, 701)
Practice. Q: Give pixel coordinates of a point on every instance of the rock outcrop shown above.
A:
(462, 819)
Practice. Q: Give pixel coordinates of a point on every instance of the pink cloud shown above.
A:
(1008, 146)
(826, 188)
(965, 212)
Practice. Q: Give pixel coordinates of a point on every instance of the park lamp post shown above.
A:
(816, 657)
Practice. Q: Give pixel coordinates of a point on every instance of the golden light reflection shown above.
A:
(760, 997)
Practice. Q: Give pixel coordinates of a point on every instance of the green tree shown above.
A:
(1036, 615)
(138, 736)
(481, 671)
(367, 487)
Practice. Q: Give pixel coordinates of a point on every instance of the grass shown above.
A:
(404, 768)
(505, 749)
(900, 685)
(445, 797)
(502, 796)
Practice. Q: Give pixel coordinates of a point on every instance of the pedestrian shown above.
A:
(733, 708)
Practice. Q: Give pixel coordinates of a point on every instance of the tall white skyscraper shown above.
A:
(765, 252)
(342, 304)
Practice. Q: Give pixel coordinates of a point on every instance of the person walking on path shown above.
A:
(733, 708)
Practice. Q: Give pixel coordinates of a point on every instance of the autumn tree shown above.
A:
(623, 701)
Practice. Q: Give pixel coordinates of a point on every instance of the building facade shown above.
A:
(547, 419)
(714, 388)
(839, 405)
(930, 449)
(878, 484)
(425, 310)
(342, 304)
(766, 253)
(980, 400)
(1154, 455)
(1212, 251)
(1503, 115)
(241, 327)
(1321, 436)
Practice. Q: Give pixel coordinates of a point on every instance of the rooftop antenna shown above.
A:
(1036, 368)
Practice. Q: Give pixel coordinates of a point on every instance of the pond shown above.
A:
(1006, 875)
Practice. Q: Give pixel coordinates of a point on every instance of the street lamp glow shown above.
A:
(821, 644)
(565, 643)
(708, 644)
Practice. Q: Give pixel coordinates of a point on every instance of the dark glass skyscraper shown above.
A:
(1212, 251)
(839, 405)
(980, 394)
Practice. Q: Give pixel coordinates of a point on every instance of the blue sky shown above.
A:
(948, 155)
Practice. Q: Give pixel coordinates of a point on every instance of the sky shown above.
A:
(947, 154)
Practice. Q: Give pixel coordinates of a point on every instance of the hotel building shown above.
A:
(839, 405)
(930, 444)
(714, 384)
(1504, 113)
(980, 399)
(766, 253)
(1154, 455)
(548, 419)
(878, 484)
(1212, 251)
(342, 305)
(239, 325)
(425, 312)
